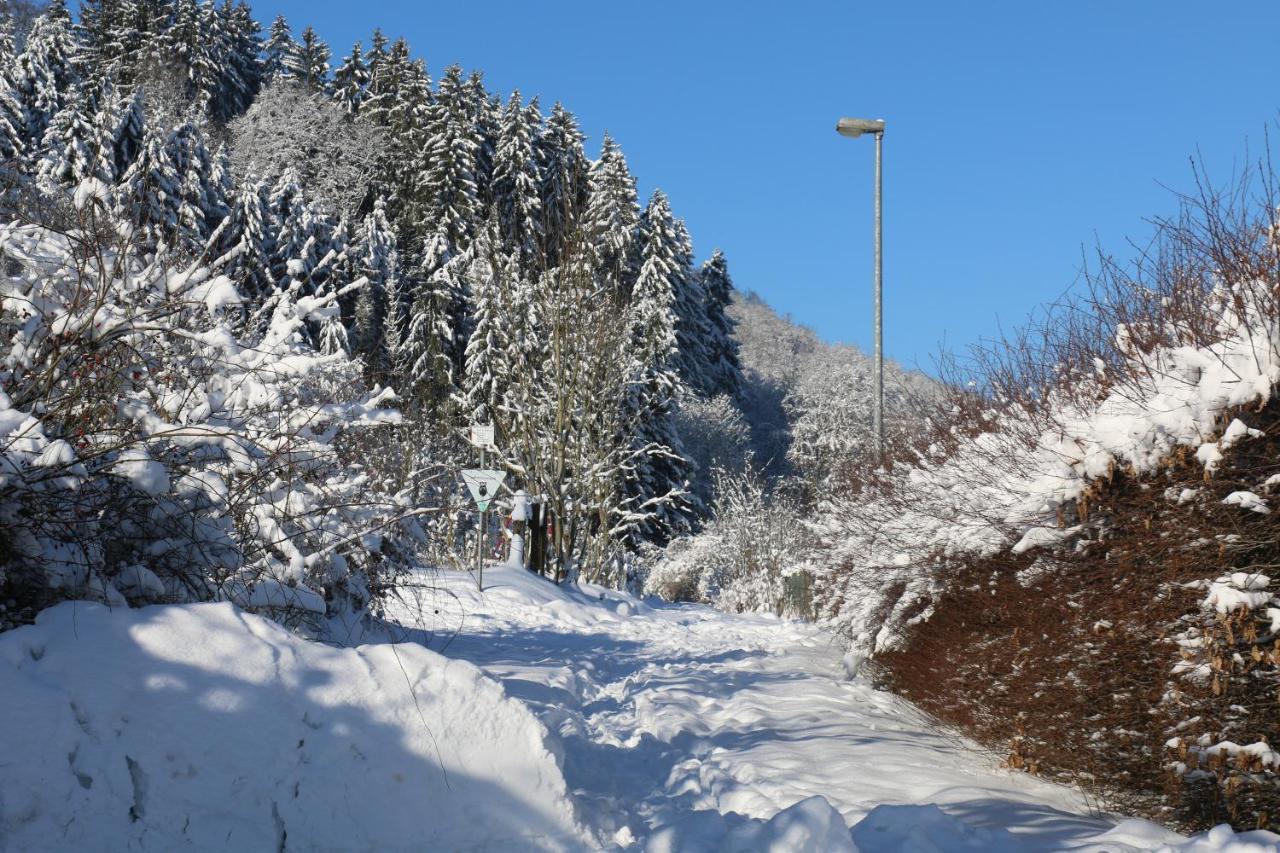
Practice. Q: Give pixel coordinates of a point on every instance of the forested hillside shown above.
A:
(252, 212)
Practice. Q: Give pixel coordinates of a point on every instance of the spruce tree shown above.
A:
(563, 176)
(516, 183)
(656, 487)
(374, 257)
(692, 333)
(313, 61)
(612, 217)
(69, 148)
(350, 80)
(45, 74)
(149, 189)
(249, 235)
(722, 346)
(449, 183)
(491, 275)
(280, 54)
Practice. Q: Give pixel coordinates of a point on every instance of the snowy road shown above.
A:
(687, 729)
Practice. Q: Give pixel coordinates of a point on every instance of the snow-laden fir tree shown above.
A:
(69, 146)
(149, 189)
(657, 485)
(612, 217)
(692, 326)
(249, 234)
(563, 176)
(45, 73)
(280, 53)
(486, 118)
(374, 257)
(725, 368)
(350, 80)
(448, 184)
(313, 60)
(13, 121)
(516, 182)
(492, 277)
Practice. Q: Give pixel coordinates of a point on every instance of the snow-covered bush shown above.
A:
(291, 128)
(741, 560)
(716, 437)
(155, 446)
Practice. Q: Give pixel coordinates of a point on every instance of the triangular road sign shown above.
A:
(483, 485)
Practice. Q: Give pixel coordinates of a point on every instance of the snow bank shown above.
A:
(199, 727)
(1014, 486)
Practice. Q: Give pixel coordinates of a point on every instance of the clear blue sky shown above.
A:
(1019, 133)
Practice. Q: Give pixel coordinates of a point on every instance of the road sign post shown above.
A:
(483, 485)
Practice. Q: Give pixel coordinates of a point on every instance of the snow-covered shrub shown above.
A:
(715, 436)
(1229, 651)
(291, 128)
(153, 449)
(741, 560)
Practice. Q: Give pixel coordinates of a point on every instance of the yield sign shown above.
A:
(483, 485)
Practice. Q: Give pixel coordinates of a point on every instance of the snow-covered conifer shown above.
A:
(516, 182)
(280, 53)
(725, 367)
(350, 81)
(313, 60)
(563, 175)
(612, 216)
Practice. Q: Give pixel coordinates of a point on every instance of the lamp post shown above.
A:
(853, 128)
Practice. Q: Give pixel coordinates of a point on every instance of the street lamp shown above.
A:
(853, 128)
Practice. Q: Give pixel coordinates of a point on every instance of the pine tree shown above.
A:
(449, 184)
(281, 59)
(725, 376)
(313, 61)
(692, 332)
(350, 80)
(657, 486)
(492, 276)
(516, 183)
(374, 257)
(149, 189)
(563, 174)
(248, 235)
(45, 74)
(612, 217)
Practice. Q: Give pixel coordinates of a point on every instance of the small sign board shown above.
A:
(482, 435)
(483, 485)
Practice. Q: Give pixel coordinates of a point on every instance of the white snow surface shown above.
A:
(684, 728)
(201, 727)
(541, 718)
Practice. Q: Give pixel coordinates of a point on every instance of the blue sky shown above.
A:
(1019, 134)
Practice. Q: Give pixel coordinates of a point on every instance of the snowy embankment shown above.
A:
(1014, 486)
(548, 719)
(199, 727)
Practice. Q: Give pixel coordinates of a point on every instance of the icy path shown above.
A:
(687, 729)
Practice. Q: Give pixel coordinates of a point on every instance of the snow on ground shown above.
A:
(687, 729)
(543, 719)
(199, 727)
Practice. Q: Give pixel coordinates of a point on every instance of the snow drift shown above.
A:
(200, 727)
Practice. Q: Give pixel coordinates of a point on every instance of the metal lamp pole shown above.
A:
(853, 128)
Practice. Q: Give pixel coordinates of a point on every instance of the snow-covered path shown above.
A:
(684, 728)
